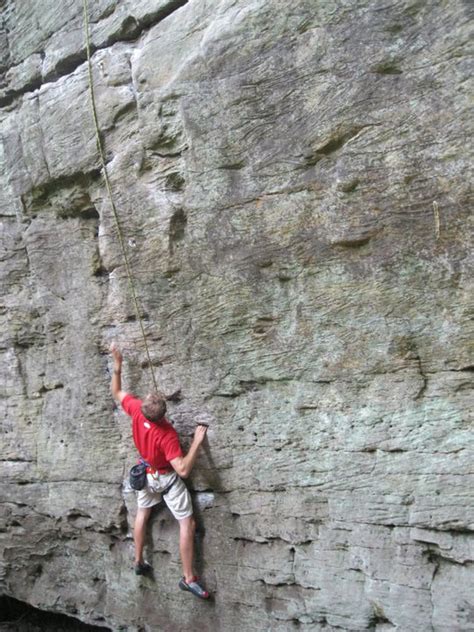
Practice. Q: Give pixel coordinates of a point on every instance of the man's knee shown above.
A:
(143, 513)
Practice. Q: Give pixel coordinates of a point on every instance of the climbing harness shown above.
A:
(100, 149)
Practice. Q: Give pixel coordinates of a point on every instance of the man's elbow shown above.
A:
(180, 468)
(183, 471)
(118, 395)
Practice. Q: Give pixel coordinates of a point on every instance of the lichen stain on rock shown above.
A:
(275, 168)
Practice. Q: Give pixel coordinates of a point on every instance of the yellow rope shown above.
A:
(109, 189)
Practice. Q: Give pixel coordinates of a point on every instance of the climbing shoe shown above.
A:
(194, 587)
(143, 568)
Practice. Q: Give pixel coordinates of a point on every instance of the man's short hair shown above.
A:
(154, 407)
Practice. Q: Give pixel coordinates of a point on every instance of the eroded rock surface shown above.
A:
(293, 185)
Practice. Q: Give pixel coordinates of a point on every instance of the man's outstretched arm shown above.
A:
(116, 383)
(184, 464)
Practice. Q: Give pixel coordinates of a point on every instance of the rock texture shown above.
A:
(293, 183)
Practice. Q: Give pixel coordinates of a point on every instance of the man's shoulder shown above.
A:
(166, 427)
(132, 397)
(165, 424)
(131, 404)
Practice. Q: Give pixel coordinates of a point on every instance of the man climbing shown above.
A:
(157, 442)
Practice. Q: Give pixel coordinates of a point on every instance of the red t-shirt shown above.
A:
(157, 443)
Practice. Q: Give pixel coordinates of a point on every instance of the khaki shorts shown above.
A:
(178, 498)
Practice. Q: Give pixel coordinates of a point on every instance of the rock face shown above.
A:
(292, 183)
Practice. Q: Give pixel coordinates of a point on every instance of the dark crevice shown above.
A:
(278, 584)
(387, 67)
(175, 181)
(437, 558)
(369, 449)
(169, 274)
(247, 540)
(131, 106)
(26, 343)
(235, 166)
(123, 520)
(157, 16)
(129, 31)
(131, 318)
(456, 530)
(350, 186)
(101, 271)
(423, 377)
(356, 241)
(394, 28)
(75, 514)
(336, 142)
(250, 385)
(154, 361)
(11, 95)
(177, 227)
(22, 617)
(46, 389)
(378, 618)
(90, 213)
(231, 395)
(65, 66)
(263, 325)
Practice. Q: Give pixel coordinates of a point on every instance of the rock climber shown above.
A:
(157, 442)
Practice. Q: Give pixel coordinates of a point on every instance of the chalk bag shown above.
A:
(138, 476)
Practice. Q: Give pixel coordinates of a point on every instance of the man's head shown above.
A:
(154, 407)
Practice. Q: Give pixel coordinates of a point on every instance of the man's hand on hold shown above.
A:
(200, 433)
(184, 465)
(116, 383)
(116, 355)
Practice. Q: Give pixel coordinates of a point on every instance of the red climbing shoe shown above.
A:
(194, 587)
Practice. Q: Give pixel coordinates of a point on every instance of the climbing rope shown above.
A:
(100, 149)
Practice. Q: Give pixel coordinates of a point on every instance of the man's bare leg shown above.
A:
(187, 527)
(139, 532)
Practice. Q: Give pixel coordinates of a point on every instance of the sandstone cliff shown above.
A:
(293, 183)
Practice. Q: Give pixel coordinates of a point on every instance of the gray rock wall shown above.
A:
(293, 184)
